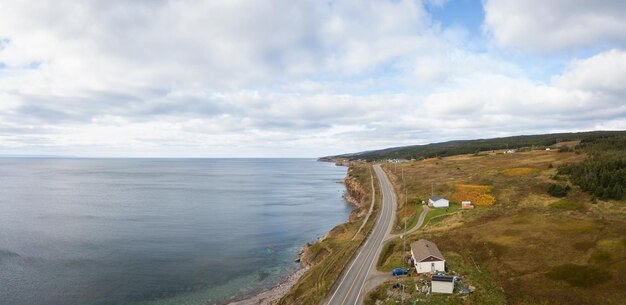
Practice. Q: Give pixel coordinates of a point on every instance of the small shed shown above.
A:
(427, 257)
(438, 202)
(467, 205)
(442, 284)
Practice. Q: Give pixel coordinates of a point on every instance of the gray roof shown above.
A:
(423, 249)
(443, 278)
(435, 198)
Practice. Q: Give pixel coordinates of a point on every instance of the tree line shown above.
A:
(451, 148)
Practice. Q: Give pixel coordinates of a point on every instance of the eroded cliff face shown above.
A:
(354, 191)
(357, 195)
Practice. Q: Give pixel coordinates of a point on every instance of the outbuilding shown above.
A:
(442, 284)
(427, 257)
(438, 202)
(467, 205)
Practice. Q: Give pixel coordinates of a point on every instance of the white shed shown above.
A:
(438, 202)
(442, 284)
(427, 257)
(467, 205)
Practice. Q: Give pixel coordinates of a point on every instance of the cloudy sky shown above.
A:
(283, 78)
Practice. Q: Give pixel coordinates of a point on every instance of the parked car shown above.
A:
(399, 271)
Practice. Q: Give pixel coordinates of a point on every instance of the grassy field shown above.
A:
(435, 215)
(328, 257)
(412, 220)
(531, 248)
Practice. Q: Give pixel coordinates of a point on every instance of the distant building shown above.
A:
(397, 160)
(467, 205)
(438, 202)
(427, 257)
(442, 284)
(548, 148)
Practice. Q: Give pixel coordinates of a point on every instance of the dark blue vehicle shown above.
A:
(399, 271)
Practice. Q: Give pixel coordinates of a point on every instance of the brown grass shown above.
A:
(525, 240)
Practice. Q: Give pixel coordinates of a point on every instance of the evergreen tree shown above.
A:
(606, 195)
(603, 174)
(617, 192)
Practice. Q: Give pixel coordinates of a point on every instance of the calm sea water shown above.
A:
(157, 231)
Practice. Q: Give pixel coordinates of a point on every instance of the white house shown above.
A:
(427, 257)
(442, 284)
(438, 202)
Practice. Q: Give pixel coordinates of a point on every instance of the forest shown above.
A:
(603, 173)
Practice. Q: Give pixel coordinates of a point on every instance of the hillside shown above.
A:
(452, 148)
(530, 246)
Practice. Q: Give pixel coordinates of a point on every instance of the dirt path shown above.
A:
(371, 207)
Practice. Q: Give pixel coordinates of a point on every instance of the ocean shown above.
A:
(158, 231)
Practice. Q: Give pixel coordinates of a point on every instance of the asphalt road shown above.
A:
(350, 287)
(420, 222)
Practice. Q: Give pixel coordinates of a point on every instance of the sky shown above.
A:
(308, 78)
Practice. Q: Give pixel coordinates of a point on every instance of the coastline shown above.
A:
(273, 295)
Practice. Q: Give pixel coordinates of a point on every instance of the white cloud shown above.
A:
(585, 95)
(537, 25)
(273, 78)
(604, 72)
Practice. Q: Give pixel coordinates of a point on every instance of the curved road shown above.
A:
(350, 287)
(416, 227)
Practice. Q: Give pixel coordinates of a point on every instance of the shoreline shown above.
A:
(272, 295)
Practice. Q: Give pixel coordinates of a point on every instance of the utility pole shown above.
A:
(403, 185)
(404, 256)
(404, 244)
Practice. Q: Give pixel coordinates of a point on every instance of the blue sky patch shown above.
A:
(467, 14)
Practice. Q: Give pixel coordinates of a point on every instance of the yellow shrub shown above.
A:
(608, 243)
(519, 171)
(479, 195)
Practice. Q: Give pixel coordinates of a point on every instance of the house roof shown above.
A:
(423, 249)
(443, 278)
(436, 198)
